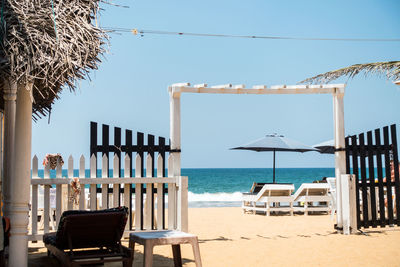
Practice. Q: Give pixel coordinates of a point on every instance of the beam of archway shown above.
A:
(337, 91)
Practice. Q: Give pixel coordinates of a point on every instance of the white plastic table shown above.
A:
(167, 237)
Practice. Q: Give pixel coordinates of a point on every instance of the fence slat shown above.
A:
(396, 171)
(116, 187)
(388, 175)
(127, 194)
(46, 208)
(93, 191)
(148, 204)
(140, 152)
(117, 145)
(138, 195)
(58, 192)
(171, 197)
(128, 152)
(35, 166)
(82, 195)
(70, 175)
(34, 211)
(382, 215)
(371, 171)
(364, 181)
(160, 189)
(354, 157)
(104, 187)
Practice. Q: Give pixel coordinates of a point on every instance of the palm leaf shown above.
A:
(390, 69)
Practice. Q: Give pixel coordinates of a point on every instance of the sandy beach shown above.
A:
(228, 237)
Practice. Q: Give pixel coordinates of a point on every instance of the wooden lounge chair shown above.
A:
(269, 198)
(312, 197)
(90, 237)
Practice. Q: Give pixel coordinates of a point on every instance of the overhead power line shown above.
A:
(158, 32)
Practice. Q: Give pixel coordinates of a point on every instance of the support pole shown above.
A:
(20, 184)
(10, 97)
(340, 156)
(175, 134)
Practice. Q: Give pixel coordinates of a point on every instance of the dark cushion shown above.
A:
(89, 228)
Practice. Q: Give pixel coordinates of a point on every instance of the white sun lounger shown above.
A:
(269, 198)
(332, 192)
(312, 197)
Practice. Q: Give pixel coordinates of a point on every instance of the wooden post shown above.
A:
(340, 156)
(175, 134)
(345, 182)
(171, 197)
(10, 97)
(353, 204)
(138, 194)
(82, 195)
(20, 183)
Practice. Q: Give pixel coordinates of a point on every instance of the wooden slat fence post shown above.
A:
(171, 197)
(148, 209)
(371, 174)
(138, 195)
(117, 145)
(34, 206)
(82, 195)
(46, 196)
(160, 193)
(127, 193)
(388, 175)
(59, 194)
(116, 187)
(382, 215)
(70, 175)
(396, 171)
(104, 187)
(93, 189)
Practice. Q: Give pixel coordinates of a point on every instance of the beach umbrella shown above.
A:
(275, 142)
(326, 147)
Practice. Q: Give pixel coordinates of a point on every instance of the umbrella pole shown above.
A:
(274, 167)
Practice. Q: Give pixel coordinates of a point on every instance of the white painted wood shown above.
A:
(34, 207)
(138, 194)
(35, 163)
(70, 205)
(90, 181)
(353, 205)
(93, 193)
(223, 86)
(171, 197)
(239, 86)
(160, 188)
(345, 203)
(9, 95)
(182, 204)
(127, 187)
(200, 85)
(58, 192)
(340, 157)
(104, 187)
(259, 87)
(116, 186)
(176, 90)
(46, 208)
(82, 196)
(148, 204)
(20, 188)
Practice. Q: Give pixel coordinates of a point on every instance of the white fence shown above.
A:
(50, 196)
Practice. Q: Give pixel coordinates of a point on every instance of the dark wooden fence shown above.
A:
(130, 148)
(374, 162)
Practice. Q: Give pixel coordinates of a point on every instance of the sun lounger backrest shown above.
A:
(312, 189)
(86, 229)
(276, 190)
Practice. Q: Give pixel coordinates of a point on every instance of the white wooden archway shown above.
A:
(337, 91)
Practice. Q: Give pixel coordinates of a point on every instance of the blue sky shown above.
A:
(130, 88)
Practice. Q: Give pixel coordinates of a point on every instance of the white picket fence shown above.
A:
(50, 196)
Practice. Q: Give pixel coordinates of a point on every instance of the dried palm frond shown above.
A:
(52, 43)
(390, 69)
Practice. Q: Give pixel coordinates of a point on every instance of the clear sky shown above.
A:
(130, 88)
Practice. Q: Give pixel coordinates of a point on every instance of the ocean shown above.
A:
(222, 187)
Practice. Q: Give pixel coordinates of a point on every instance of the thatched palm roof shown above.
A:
(52, 43)
(391, 69)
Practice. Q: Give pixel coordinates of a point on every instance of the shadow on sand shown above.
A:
(42, 260)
